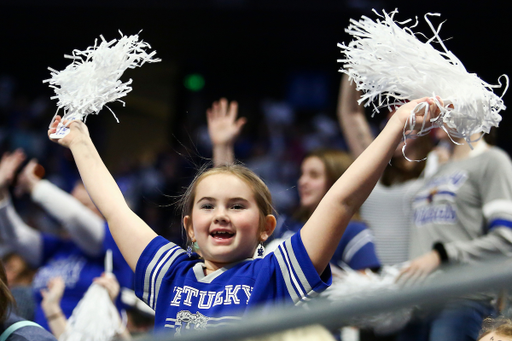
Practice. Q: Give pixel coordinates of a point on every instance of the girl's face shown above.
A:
(225, 220)
(312, 182)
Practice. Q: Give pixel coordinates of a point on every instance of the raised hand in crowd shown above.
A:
(224, 127)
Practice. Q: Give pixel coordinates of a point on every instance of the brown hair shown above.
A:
(501, 326)
(336, 162)
(260, 190)
(6, 298)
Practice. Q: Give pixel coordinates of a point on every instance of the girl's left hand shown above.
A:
(422, 117)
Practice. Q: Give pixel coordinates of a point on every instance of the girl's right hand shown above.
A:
(78, 132)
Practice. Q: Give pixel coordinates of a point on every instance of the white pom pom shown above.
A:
(392, 66)
(92, 80)
(350, 285)
(95, 318)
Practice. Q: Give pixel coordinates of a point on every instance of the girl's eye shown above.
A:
(207, 206)
(238, 207)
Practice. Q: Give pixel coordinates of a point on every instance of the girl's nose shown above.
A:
(221, 217)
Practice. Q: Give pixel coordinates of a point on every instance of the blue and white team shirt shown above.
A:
(183, 297)
(63, 258)
(467, 206)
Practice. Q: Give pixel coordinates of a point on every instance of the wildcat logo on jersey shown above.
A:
(185, 319)
(435, 203)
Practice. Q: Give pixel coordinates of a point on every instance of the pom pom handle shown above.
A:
(63, 129)
(108, 262)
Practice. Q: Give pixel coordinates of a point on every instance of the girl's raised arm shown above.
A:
(322, 232)
(130, 233)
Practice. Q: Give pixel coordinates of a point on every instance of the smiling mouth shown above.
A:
(222, 234)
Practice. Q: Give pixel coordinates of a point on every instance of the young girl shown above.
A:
(320, 169)
(228, 213)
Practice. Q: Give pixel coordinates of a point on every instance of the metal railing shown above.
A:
(450, 283)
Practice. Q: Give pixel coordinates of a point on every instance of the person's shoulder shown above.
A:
(495, 152)
(492, 159)
(29, 332)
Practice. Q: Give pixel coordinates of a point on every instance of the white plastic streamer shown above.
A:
(95, 318)
(93, 78)
(391, 66)
(351, 285)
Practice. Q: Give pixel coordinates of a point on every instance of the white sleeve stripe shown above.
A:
(290, 270)
(284, 271)
(165, 268)
(361, 239)
(150, 267)
(147, 275)
(497, 207)
(296, 266)
(157, 272)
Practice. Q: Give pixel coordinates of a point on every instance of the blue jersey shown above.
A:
(183, 297)
(356, 248)
(62, 257)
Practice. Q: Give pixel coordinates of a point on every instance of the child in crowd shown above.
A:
(498, 329)
(227, 212)
(320, 169)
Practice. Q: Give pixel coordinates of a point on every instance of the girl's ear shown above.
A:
(187, 225)
(270, 225)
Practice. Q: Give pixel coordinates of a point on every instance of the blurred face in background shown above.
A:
(312, 182)
(14, 266)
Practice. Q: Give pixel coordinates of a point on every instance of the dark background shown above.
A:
(245, 49)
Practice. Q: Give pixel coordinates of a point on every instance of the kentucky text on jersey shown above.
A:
(207, 299)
